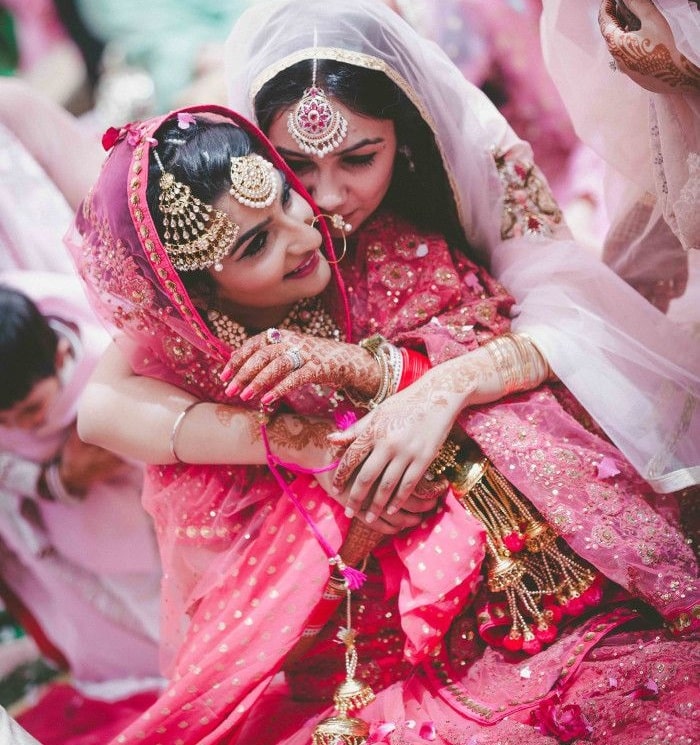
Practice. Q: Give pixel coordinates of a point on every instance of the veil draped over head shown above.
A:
(633, 369)
(129, 275)
(135, 289)
(650, 141)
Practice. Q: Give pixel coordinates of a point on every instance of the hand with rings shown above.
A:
(275, 362)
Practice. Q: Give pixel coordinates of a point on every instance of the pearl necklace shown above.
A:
(307, 317)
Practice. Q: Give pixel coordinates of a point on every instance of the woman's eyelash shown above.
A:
(299, 166)
(286, 191)
(256, 245)
(360, 160)
(353, 161)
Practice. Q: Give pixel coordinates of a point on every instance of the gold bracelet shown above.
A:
(518, 362)
(178, 425)
(374, 345)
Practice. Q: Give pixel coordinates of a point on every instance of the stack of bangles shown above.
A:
(398, 367)
(518, 362)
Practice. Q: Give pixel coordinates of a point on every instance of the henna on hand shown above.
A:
(295, 433)
(272, 371)
(642, 45)
(389, 450)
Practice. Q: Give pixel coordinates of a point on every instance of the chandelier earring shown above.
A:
(338, 223)
(195, 235)
(316, 126)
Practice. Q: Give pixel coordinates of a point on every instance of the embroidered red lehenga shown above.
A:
(244, 574)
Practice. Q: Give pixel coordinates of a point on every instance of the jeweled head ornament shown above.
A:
(253, 181)
(314, 124)
(195, 235)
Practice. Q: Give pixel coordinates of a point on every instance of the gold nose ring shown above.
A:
(338, 223)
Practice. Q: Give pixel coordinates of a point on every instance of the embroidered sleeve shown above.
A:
(529, 207)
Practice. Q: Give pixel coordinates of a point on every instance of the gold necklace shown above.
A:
(307, 316)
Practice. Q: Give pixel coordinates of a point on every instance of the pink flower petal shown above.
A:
(379, 734)
(607, 468)
(184, 119)
(647, 692)
(567, 723)
(110, 138)
(472, 282)
(427, 731)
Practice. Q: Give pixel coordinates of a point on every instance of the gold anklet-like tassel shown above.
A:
(350, 695)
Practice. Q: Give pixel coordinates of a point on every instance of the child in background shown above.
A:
(78, 557)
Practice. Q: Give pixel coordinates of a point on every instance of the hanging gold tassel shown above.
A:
(540, 578)
(351, 694)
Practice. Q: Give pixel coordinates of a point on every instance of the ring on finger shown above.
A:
(274, 336)
(294, 355)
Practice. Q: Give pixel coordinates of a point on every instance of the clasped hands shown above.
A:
(385, 454)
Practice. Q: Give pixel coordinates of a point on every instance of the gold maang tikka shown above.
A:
(314, 124)
(253, 181)
(195, 236)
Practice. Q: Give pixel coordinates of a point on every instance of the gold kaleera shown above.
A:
(350, 695)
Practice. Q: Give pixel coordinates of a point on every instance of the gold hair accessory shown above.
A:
(314, 124)
(338, 223)
(253, 181)
(195, 235)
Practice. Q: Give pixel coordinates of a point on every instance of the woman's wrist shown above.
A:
(368, 374)
(301, 440)
(518, 363)
(387, 364)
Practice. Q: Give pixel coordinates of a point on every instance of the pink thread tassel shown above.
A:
(354, 577)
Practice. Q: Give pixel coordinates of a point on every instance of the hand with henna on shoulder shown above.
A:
(269, 371)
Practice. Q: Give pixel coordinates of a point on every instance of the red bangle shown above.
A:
(414, 365)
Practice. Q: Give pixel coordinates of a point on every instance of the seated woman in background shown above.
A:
(646, 57)
(247, 590)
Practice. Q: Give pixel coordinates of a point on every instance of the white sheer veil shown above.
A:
(637, 373)
(650, 141)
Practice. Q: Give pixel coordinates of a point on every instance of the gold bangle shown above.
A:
(373, 344)
(177, 426)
